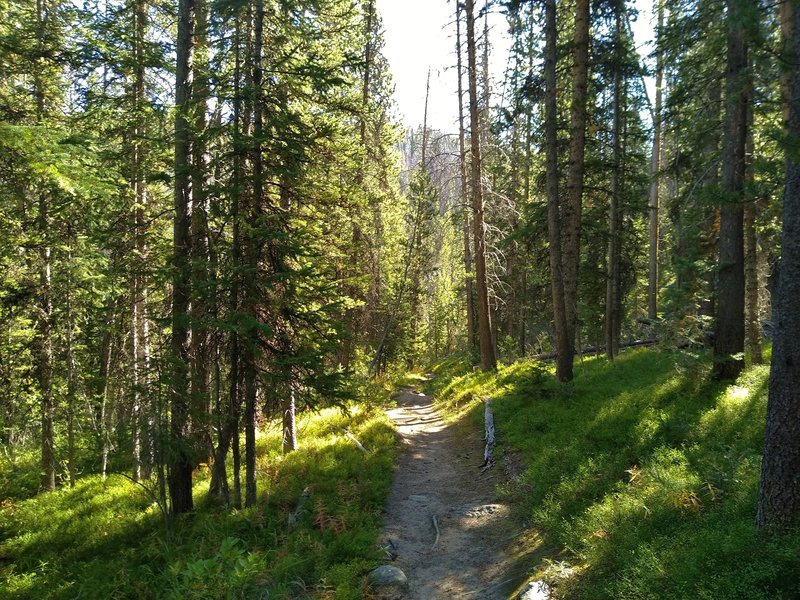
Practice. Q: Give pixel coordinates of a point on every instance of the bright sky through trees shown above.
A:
(420, 34)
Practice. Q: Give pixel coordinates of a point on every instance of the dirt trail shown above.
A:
(438, 475)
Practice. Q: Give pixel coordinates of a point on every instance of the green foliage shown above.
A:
(642, 471)
(106, 539)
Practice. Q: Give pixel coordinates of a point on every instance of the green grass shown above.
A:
(106, 539)
(643, 472)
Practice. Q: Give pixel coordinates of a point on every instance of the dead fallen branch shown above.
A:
(295, 516)
(436, 527)
(353, 439)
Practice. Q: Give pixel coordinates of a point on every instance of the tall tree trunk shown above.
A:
(45, 317)
(613, 317)
(229, 419)
(655, 175)
(469, 291)
(526, 184)
(423, 163)
(786, 15)
(571, 215)
(368, 26)
(202, 296)
(287, 401)
(752, 292)
(139, 328)
(485, 91)
(45, 367)
(563, 351)
(249, 353)
(713, 143)
(729, 331)
(488, 360)
(104, 410)
(72, 367)
(779, 493)
(182, 459)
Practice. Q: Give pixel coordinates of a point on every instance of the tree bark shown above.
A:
(249, 354)
(202, 292)
(752, 292)
(729, 333)
(182, 459)
(139, 329)
(786, 14)
(655, 174)
(289, 421)
(104, 410)
(468, 281)
(288, 403)
(779, 492)
(370, 14)
(45, 309)
(571, 216)
(229, 418)
(45, 366)
(72, 367)
(563, 353)
(488, 360)
(613, 317)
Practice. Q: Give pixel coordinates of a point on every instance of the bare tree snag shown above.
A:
(655, 175)
(488, 358)
(468, 280)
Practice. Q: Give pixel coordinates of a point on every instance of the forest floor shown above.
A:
(439, 477)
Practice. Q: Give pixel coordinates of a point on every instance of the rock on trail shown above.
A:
(443, 525)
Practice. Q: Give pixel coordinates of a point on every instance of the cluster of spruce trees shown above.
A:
(202, 226)
(671, 232)
(635, 217)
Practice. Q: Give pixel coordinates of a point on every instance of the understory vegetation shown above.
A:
(641, 476)
(107, 539)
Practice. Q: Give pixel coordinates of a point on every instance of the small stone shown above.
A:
(388, 576)
(535, 590)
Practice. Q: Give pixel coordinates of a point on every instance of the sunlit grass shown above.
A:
(643, 472)
(106, 539)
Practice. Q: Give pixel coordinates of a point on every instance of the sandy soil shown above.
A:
(438, 475)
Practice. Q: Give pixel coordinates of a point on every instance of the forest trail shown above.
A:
(438, 475)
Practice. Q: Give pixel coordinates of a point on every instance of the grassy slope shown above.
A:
(642, 471)
(106, 540)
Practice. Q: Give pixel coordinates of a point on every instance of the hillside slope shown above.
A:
(641, 476)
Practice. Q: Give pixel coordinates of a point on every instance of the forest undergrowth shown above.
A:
(641, 476)
(640, 481)
(107, 539)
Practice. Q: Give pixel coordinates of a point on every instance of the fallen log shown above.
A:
(597, 349)
(353, 439)
(488, 418)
